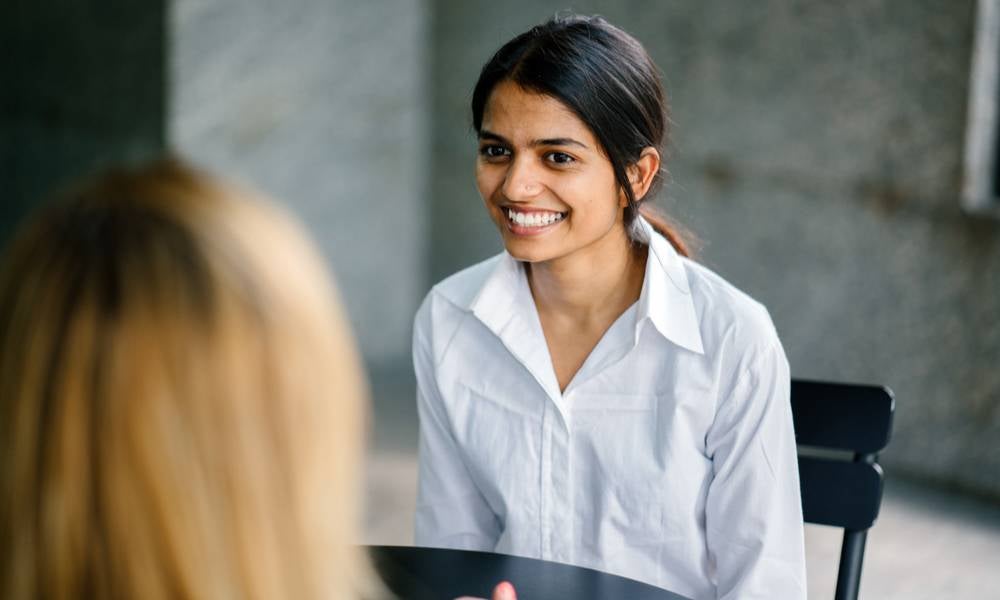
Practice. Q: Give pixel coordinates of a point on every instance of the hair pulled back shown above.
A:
(607, 79)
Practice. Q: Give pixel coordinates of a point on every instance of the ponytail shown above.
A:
(680, 238)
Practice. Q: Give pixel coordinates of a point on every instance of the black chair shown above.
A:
(840, 429)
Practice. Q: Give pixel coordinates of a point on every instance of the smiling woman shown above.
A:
(592, 395)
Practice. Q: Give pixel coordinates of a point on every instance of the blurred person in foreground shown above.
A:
(181, 402)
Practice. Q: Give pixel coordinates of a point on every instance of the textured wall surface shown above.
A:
(816, 151)
(321, 104)
(81, 84)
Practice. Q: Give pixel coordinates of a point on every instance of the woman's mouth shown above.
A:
(534, 221)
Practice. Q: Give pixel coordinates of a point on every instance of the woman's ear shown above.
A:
(642, 172)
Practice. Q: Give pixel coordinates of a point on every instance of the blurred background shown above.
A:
(817, 151)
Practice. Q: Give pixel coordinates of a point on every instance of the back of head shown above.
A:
(181, 402)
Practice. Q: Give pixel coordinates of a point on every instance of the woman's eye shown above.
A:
(560, 158)
(493, 151)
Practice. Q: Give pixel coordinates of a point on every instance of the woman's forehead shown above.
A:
(515, 112)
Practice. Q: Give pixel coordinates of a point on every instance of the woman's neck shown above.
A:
(593, 285)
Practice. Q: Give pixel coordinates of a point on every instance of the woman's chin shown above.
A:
(527, 252)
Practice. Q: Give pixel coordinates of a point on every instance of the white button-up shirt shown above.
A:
(669, 458)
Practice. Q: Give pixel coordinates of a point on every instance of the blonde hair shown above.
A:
(181, 403)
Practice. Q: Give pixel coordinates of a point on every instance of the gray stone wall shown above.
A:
(82, 84)
(816, 151)
(321, 104)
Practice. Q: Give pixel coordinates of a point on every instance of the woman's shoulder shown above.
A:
(728, 317)
(725, 317)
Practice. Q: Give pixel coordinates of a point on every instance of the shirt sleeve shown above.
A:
(753, 512)
(451, 511)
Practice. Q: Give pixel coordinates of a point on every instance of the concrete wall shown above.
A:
(322, 104)
(817, 152)
(83, 84)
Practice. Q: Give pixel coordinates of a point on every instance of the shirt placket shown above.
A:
(545, 483)
(556, 527)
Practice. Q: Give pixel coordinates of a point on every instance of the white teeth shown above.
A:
(534, 219)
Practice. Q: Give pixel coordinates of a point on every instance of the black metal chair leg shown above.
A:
(852, 554)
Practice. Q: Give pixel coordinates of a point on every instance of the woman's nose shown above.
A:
(522, 181)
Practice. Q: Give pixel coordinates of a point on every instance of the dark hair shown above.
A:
(607, 78)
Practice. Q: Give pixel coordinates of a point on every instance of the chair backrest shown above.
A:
(840, 429)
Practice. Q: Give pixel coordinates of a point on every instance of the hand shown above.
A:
(503, 591)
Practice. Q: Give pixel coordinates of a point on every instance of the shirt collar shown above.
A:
(504, 304)
(665, 299)
(666, 296)
(494, 304)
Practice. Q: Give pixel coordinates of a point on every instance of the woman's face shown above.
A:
(544, 178)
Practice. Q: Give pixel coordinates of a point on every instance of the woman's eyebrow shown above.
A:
(563, 141)
(486, 134)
